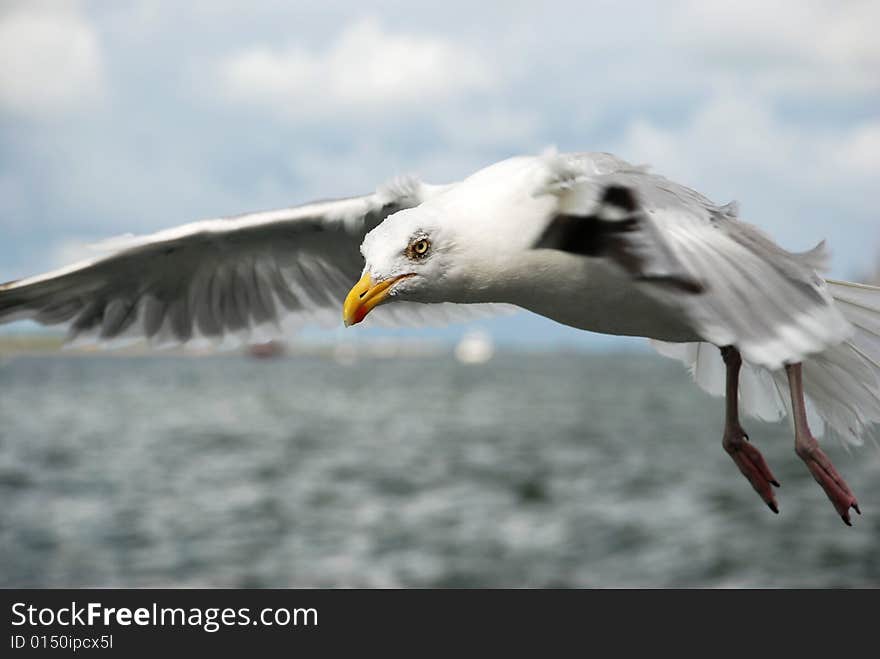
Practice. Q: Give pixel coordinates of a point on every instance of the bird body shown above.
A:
(585, 239)
(499, 213)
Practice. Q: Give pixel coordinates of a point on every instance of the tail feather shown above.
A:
(852, 403)
(860, 305)
(842, 383)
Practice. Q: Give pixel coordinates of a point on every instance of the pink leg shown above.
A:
(749, 459)
(807, 448)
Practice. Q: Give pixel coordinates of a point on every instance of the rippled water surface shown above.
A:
(532, 470)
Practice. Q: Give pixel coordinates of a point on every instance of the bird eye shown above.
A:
(419, 248)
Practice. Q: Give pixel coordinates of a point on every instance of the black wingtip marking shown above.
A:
(686, 284)
(575, 235)
(597, 236)
(592, 235)
(620, 196)
(586, 235)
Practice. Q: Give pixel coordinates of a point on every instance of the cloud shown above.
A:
(71, 250)
(860, 154)
(50, 59)
(788, 46)
(741, 137)
(799, 182)
(364, 70)
(219, 108)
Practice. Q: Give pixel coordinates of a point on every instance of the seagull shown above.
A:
(586, 239)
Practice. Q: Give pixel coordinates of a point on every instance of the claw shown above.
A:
(827, 476)
(752, 465)
(807, 448)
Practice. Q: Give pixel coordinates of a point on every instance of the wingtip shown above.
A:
(621, 197)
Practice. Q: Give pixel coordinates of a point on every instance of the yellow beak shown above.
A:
(364, 296)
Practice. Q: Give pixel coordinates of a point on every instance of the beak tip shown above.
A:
(363, 297)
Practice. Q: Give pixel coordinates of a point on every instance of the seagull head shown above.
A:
(408, 257)
(470, 244)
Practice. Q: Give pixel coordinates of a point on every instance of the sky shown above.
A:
(120, 117)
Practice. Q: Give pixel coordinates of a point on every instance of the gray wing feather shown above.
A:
(214, 278)
(732, 282)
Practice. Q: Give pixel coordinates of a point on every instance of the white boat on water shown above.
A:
(475, 347)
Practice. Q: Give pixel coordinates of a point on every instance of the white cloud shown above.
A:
(366, 69)
(770, 103)
(742, 137)
(71, 250)
(489, 125)
(798, 182)
(50, 59)
(788, 45)
(728, 132)
(860, 154)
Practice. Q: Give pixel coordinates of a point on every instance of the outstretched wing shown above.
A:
(220, 277)
(734, 285)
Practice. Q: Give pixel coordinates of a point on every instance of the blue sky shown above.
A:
(121, 117)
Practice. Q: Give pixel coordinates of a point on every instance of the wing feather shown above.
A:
(215, 278)
(731, 282)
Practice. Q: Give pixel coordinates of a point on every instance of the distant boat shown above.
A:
(267, 350)
(475, 347)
